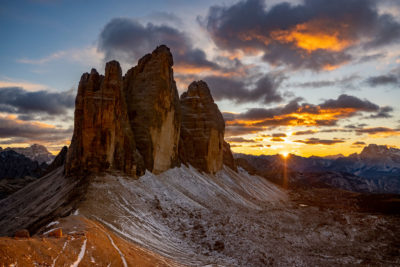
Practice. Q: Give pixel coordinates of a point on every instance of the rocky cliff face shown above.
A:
(102, 138)
(202, 131)
(153, 109)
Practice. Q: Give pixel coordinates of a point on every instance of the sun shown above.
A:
(285, 154)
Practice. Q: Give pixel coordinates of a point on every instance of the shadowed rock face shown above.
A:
(102, 138)
(228, 158)
(153, 109)
(202, 131)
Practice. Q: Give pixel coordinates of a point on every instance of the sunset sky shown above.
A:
(311, 77)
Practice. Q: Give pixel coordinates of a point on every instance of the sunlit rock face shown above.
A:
(202, 131)
(102, 138)
(153, 109)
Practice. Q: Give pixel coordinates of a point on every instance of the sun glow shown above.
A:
(285, 154)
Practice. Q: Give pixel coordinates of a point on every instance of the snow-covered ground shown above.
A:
(229, 219)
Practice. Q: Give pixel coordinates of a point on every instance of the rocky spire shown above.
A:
(102, 138)
(202, 131)
(154, 110)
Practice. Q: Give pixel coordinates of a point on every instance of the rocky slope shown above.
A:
(82, 243)
(202, 132)
(222, 219)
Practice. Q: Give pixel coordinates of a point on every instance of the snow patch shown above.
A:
(81, 254)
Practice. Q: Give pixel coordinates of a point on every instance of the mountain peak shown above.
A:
(373, 150)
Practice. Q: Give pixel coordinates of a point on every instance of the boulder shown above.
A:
(153, 109)
(202, 130)
(23, 233)
(57, 233)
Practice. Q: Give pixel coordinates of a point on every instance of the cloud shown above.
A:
(277, 139)
(279, 135)
(87, 56)
(17, 131)
(23, 84)
(359, 143)
(378, 131)
(296, 113)
(350, 102)
(239, 140)
(19, 101)
(305, 132)
(382, 80)
(372, 57)
(317, 34)
(317, 141)
(235, 130)
(128, 40)
(265, 91)
(343, 82)
(383, 112)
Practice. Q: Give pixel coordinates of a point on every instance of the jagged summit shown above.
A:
(373, 150)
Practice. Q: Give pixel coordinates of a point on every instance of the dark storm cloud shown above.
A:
(265, 91)
(17, 100)
(317, 141)
(282, 32)
(389, 79)
(128, 40)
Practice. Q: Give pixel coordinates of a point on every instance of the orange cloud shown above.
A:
(314, 35)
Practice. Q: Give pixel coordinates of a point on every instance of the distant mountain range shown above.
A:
(35, 152)
(21, 166)
(375, 170)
